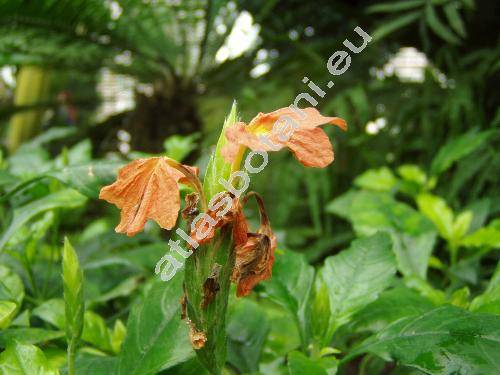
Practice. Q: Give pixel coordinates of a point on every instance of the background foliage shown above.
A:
(387, 260)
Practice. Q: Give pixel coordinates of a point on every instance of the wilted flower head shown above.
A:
(148, 189)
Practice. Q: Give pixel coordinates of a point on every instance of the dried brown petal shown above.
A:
(183, 302)
(197, 338)
(191, 208)
(254, 258)
(211, 286)
(219, 221)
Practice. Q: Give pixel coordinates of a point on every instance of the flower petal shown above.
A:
(311, 147)
(145, 189)
(295, 128)
(307, 118)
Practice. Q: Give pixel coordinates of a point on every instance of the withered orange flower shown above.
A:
(255, 257)
(217, 220)
(148, 189)
(297, 130)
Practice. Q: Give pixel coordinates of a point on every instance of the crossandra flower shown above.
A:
(254, 252)
(296, 129)
(148, 189)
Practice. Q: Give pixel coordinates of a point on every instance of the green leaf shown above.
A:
(118, 336)
(178, 147)
(454, 18)
(413, 173)
(21, 359)
(290, 286)
(393, 304)
(488, 236)
(87, 179)
(381, 179)
(247, 329)
(73, 292)
(461, 225)
(72, 276)
(28, 335)
(88, 364)
(389, 27)
(8, 310)
(67, 199)
(156, 337)
(489, 301)
(412, 234)
(436, 209)
(11, 295)
(394, 7)
(445, 340)
(217, 167)
(437, 26)
(299, 364)
(456, 149)
(355, 277)
(95, 331)
(51, 311)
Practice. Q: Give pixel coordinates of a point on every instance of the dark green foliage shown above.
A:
(387, 260)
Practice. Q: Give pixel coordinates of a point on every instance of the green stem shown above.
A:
(210, 319)
(71, 356)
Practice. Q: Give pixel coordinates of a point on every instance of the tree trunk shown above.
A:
(32, 87)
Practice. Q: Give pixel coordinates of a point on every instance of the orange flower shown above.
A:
(296, 129)
(147, 189)
(254, 257)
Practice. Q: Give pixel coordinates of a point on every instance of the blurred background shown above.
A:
(88, 85)
(108, 80)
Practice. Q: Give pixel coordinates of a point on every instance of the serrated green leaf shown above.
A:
(437, 26)
(66, 199)
(356, 276)
(393, 304)
(21, 359)
(442, 341)
(156, 337)
(412, 234)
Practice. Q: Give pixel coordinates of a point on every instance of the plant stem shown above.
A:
(210, 319)
(71, 356)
